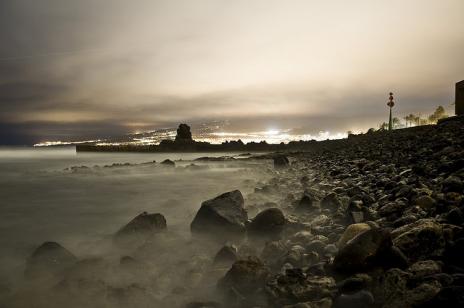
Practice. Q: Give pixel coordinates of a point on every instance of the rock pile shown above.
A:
(370, 221)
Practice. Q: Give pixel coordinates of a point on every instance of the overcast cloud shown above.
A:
(101, 67)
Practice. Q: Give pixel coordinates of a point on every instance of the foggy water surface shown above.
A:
(42, 200)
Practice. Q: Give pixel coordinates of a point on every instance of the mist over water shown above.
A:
(43, 199)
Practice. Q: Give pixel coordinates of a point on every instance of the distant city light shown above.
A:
(214, 134)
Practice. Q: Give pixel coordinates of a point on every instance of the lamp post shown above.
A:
(390, 104)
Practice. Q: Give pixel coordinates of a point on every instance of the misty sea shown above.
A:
(43, 199)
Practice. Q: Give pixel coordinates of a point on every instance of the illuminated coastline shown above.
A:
(155, 137)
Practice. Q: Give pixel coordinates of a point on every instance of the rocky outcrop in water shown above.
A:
(140, 229)
(223, 217)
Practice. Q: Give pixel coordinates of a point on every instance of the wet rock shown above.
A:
(330, 250)
(168, 163)
(360, 253)
(140, 229)
(455, 216)
(267, 224)
(223, 217)
(245, 276)
(424, 268)
(357, 217)
(274, 252)
(361, 298)
(331, 202)
(420, 240)
(399, 292)
(226, 255)
(317, 246)
(425, 202)
(49, 259)
(296, 287)
(302, 237)
(307, 204)
(354, 283)
(280, 161)
(452, 184)
(452, 296)
(352, 231)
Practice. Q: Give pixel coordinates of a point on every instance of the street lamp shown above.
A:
(390, 104)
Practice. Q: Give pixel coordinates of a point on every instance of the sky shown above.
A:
(91, 68)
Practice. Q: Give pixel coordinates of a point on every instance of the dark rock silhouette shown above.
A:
(223, 217)
(183, 133)
(50, 258)
(244, 278)
(140, 228)
(280, 161)
(267, 224)
(360, 253)
(168, 162)
(226, 255)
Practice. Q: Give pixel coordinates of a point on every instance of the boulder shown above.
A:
(425, 268)
(223, 217)
(168, 162)
(140, 229)
(280, 161)
(352, 231)
(295, 287)
(274, 252)
(49, 259)
(453, 184)
(360, 253)
(425, 202)
(245, 276)
(226, 255)
(267, 224)
(420, 240)
(331, 202)
(307, 204)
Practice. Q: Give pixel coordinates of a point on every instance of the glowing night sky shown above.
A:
(92, 68)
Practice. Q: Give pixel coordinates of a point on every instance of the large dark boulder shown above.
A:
(420, 240)
(49, 259)
(362, 252)
(223, 217)
(267, 224)
(140, 228)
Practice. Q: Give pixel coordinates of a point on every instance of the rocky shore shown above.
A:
(371, 221)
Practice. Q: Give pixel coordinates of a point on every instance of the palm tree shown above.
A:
(406, 119)
(383, 126)
(396, 122)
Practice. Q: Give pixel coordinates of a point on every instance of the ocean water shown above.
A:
(42, 199)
